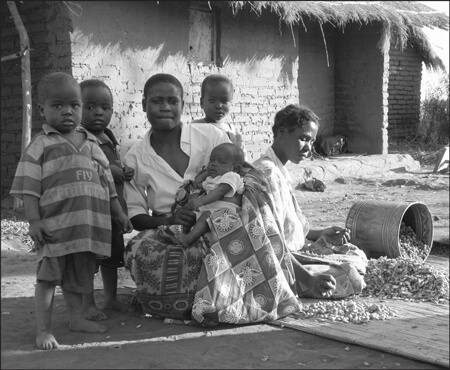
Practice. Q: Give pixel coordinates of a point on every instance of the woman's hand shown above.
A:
(183, 217)
(38, 232)
(321, 285)
(336, 235)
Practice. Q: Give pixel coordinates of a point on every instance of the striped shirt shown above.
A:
(74, 187)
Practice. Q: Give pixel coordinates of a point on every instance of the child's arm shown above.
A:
(200, 178)
(117, 174)
(214, 195)
(37, 230)
(128, 173)
(119, 215)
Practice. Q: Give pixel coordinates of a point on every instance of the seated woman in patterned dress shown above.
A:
(170, 154)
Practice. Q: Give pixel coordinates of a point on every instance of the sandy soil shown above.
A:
(134, 341)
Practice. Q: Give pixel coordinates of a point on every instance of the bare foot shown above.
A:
(86, 326)
(118, 306)
(46, 340)
(94, 314)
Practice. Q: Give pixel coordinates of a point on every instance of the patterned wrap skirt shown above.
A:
(165, 274)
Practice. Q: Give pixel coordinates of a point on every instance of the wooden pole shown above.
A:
(26, 81)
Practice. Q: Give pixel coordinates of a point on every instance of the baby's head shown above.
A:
(226, 157)
(97, 105)
(216, 96)
(59, 101)
(163, 101)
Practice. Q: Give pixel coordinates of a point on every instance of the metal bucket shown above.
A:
(375, 226)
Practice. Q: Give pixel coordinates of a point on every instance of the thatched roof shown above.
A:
(402, 21)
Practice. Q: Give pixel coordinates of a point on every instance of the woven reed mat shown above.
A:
(420, 331)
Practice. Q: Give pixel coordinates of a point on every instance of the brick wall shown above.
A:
(263, 64)
(135, 41)
(405, 75)
(270, 65)
(359, 103)
(260, 58)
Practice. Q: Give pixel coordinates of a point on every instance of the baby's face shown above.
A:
(97, 108)
(62, 107)
(216, 101)
(220, 162)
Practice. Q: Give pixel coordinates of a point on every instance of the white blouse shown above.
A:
(155, 183)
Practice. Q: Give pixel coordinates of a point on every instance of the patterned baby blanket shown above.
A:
(247, 276)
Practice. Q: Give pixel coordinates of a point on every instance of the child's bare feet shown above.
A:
(118, 306)
(81, 324)
(46, 340)
(94, 314)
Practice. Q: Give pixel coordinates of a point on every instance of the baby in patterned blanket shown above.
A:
(223, 186)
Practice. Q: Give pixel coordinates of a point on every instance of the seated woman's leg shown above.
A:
(150, 259)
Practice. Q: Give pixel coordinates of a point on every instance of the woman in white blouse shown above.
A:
(170, 154)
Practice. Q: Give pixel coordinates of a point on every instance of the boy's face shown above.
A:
(62, 107)
(97, 108)
(220, 162)
(216, 102)
(163, 105)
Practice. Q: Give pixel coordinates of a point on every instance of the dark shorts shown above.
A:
(72, 272)
(117, 250)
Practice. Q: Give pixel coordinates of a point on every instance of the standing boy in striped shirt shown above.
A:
(64, 180)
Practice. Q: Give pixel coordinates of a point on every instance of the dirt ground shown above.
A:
(134, 341)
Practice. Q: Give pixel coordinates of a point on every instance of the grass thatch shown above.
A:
(402, 20)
